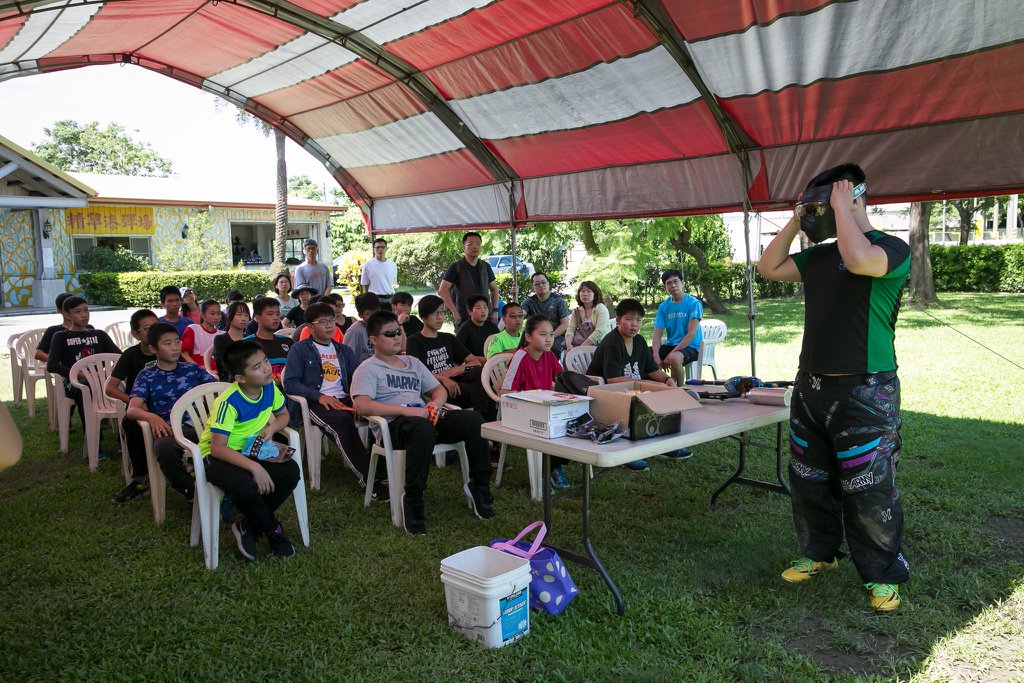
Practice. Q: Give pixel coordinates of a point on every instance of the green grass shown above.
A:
(96, 591)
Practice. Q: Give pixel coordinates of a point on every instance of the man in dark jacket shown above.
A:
(320, 370)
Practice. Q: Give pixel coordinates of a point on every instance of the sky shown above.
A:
(179, 121)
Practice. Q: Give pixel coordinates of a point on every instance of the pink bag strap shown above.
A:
(511, 548)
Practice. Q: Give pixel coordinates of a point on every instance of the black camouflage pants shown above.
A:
(844, 445)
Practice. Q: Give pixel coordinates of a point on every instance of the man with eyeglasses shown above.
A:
(845, 415)
(320, 370)
(677, 335)
(508, 339)
(380, 274)
(468, 276)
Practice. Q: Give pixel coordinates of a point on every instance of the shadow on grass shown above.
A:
(703, 595)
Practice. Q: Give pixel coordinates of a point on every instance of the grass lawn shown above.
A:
(95, 591)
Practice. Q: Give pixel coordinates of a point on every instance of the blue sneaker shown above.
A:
(638, 466)
(681, 454)
(101, 455)
(559, 481)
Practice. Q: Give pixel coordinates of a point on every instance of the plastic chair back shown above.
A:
(578, 359)
(487, 342)
(121, 334)
(17, 384)
(90, 375)
(493, 374)
(31, 370)
(208, 361)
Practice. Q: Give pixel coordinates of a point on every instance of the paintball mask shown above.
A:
(817, 219)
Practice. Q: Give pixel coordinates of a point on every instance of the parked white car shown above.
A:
(502, 263)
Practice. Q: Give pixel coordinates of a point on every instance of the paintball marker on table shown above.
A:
(751, 388)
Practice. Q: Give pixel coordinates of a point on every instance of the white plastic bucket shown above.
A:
(488, 595)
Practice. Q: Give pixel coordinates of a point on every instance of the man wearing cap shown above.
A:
(315, 274)
(845, 416)
(380, 274)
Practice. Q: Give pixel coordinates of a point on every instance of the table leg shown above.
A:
(737, 476)
(590, 559)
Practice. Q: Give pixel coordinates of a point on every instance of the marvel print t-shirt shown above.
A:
(401, 386)
(439, 353)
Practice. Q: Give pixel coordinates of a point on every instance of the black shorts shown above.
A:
(689, 353)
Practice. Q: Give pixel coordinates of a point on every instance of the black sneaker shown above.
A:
(245, 539)
(132, 491)
(413, 515)
(279, 543)
(480, 495)
(381, 491)
(190, 495)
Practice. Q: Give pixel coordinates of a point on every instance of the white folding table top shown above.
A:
(713, 420)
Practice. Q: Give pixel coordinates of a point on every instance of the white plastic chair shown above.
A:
(713, 332)
(196, 404)
(487, 343)
(157, 480)
(17, 384)
(90, 375)
(121, 334)
(395, 461)
(31, 370)
(492, 376)
(578, 359)
(208, 361)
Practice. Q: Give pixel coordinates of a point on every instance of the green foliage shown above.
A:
(422, 259)
(970, 268)
(348, 231)
(1012, 278)
(350, 269)
(303, 186)
(545, 245)
(120, 260)
(200, 246)
(71, 146)
(143, 289)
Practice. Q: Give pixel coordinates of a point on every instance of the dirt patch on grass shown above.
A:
(869, 655)
(1009, 531)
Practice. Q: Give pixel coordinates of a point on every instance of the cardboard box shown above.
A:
(658, 412)
(543, 413)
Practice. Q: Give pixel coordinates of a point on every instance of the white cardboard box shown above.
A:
(543, 413)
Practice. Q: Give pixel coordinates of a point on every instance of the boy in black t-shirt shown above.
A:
(475, 331)
(624, 356)
(448, 360)
(133, 361)
(401, 305)
(43, 347)
(72, 345)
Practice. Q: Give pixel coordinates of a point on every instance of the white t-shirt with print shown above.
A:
(331, 366)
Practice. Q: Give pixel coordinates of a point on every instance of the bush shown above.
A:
(1012, 279)
(422, 259)
(118, 260)
(350, 270)
(971, 268)
(143, 289)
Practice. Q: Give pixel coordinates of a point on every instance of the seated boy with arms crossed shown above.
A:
(394, 386)
(155, 391)
(252, 406)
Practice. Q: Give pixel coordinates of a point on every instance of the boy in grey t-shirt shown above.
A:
(398, 388)
(356, 337)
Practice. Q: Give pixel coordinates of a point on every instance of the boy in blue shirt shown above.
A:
(678, 318)
(252, 406)
(154, 393)
(170, 301)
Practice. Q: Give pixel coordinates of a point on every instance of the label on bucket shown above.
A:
(515, 615)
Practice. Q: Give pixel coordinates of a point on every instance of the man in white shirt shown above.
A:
(380, 274)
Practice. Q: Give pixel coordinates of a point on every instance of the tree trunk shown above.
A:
(966, 213)
(281, 205)
(710, 296)
(922, 286)
(589, 243)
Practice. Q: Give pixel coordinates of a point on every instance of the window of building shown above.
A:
(140, 246)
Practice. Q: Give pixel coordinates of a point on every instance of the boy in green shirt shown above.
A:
(251, 407)
(508, 339)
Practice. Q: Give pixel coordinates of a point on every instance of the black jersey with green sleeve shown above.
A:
(850, 320)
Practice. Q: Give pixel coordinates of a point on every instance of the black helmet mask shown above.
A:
(818, 219)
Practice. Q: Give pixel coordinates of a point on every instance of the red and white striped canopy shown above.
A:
(451, 113)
